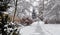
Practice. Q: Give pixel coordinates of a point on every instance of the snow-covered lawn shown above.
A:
(39, 28)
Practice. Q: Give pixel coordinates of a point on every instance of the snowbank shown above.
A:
(41, 29)
(31, 30)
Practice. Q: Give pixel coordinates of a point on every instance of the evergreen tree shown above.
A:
(3, 16)
(33, 14)
(4, 5)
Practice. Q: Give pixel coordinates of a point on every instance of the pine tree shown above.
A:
(4, 5)
(4, 17)
(33, 14)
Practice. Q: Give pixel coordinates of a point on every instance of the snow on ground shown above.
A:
(32, 29)
(53, 29)
(39, 28)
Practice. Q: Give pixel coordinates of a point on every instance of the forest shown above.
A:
(18, 14)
